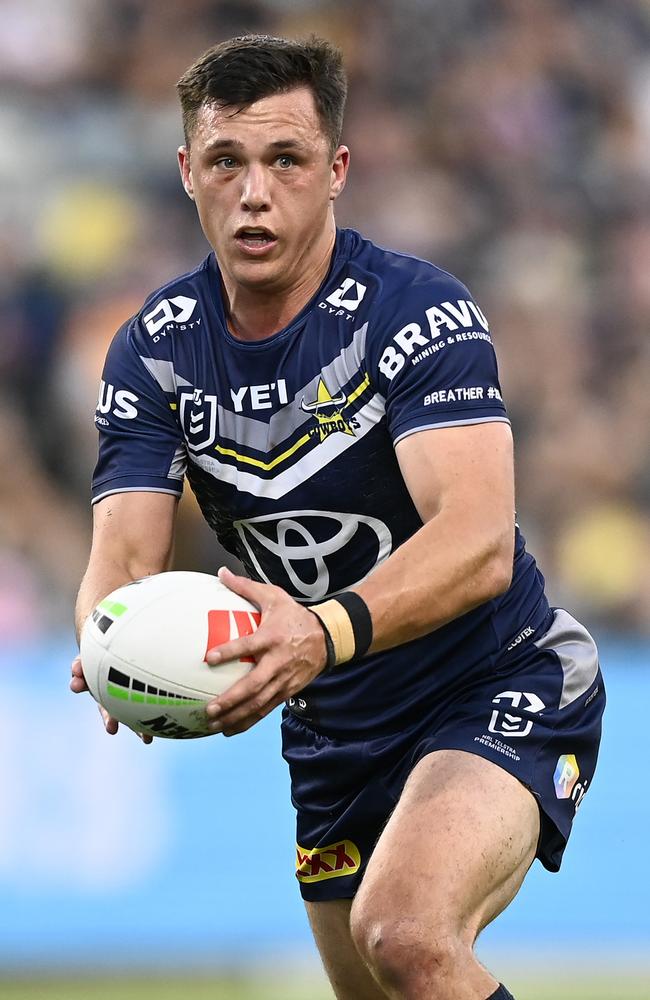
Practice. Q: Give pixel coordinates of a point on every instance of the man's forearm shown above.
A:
(96, 584)
(133, 537)
(439, 574)
(107, 575)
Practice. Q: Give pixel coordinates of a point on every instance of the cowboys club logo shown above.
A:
(298, 542)
(327, 411)
(198, 417)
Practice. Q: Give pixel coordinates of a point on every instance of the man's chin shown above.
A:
(259, 275)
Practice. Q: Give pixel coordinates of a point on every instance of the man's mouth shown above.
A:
(255, 237)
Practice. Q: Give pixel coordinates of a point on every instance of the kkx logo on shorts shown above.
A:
(507, 724)
(332, 861)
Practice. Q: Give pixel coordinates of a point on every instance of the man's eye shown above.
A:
(227, 162)
(285, 161)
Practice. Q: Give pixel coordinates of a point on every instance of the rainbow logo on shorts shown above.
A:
(566, 774)
(333, 861)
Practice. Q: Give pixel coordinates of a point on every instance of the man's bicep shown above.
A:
(468, 468)
(135, 531)
(141, 444)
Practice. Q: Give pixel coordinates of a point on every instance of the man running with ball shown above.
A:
(336, 409)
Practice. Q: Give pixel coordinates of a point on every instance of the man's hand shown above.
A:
(288, 649)
(78, 685)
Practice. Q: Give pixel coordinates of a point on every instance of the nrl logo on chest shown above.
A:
(198, 417)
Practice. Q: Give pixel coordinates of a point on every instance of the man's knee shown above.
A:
(404, 952)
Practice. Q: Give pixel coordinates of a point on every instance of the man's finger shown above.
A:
(78, 682)
(256, 593)
(111, 725)
(244, 690)
(248, 713)
(233, 650)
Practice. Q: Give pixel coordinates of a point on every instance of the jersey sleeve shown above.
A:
(141, 445)
(431, 356)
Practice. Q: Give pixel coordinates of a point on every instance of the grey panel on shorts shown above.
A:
(577, 653)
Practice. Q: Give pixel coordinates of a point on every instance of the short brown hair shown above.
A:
(245, 69)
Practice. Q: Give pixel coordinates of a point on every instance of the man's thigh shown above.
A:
(455, 850)
(452, 856)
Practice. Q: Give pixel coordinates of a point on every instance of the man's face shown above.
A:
(264, 180)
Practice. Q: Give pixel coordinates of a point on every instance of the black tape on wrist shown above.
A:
(347, 627)
(359, 614)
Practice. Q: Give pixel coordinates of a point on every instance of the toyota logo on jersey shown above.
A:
(301, 550)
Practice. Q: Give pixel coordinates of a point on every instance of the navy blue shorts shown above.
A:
(540, 721)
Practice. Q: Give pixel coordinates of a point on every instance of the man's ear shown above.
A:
(186, 171)
(340, 167)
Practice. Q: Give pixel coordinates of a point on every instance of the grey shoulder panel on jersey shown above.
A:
(577, 653)
(164, 374)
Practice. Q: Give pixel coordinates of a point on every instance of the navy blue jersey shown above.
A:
(289, 445)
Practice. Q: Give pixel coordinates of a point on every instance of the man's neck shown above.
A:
(255, 314)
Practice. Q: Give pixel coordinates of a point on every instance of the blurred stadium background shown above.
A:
(508, 141)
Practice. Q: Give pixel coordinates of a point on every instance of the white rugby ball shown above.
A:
(143, 651)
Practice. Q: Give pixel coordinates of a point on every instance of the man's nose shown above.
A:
(255, 195)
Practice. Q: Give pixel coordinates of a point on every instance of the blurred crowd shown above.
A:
(508, 141)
